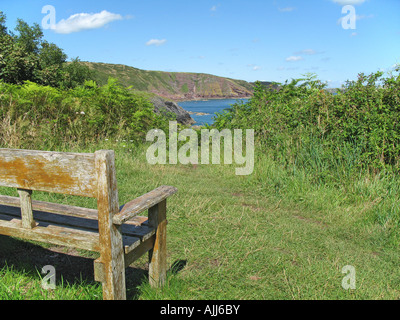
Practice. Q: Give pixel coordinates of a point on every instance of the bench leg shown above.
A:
(158, 255)
(110, 270)
(110, 237)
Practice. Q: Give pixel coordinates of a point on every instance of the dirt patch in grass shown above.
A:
(252, 207)
(317, 222)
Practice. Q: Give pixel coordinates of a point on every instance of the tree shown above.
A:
(30, 37)
(15, 64)
(3, 28)
(75, 73)
(26, 56)
(51, 62)
(18, 54)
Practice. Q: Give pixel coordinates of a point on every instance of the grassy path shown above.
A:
(239, 244)
(227, 239)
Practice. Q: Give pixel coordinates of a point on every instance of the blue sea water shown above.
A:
(207, 106)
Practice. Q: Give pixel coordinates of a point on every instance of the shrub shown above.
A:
(301, 114)
(34, 115)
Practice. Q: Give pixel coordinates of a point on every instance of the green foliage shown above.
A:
(15, 64)
(25, 56)
(3, 28)
(74, 73)
(301, 114)
(349, 140)
(29, 37)
(185, 88)
(51, 62)
(36, 116)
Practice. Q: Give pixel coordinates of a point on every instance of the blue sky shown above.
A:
(271, 40)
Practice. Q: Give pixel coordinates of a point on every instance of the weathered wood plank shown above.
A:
(118, 234)
(26, 209)
(158, 254)
(143, 232)
(133, 253)
(111, 243)
(130, 244)
(65, 210)
(58, 172)
(52, 207)
(143, 203)
(99, 273)
(52, 234)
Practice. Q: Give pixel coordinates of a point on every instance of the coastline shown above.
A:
(213, 98)
(203, 111)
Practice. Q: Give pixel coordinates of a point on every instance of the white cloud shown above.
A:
(288, 9)
(213, 8)
(308, 52)
(85, 21)
(294, 58)
(156, 42)
(254, 67)
(349, 2)
(312, 68)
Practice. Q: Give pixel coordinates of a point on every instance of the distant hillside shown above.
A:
(270, 85)
(172, 85)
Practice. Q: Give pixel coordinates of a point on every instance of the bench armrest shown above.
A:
(137, 206)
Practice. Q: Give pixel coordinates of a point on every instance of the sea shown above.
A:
(210, 107)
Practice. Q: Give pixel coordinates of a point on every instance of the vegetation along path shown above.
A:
(228, 240)
(324, 196)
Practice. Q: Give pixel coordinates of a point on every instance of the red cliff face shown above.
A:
(191, 86)
(174, 86)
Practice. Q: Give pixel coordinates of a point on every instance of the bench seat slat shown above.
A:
(142, 232)
(119, 234)
(52, 207)
(51, 234)
(45, 232)
(67, 210)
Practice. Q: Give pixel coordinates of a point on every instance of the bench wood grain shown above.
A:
(116, 232)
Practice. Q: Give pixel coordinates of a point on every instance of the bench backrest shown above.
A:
(89, 175)
(57, 172)
(80, 174)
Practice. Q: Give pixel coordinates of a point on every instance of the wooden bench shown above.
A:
(117, 233)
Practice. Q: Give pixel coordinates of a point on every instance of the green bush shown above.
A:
(25, 56)
(34, 116)
(301, 119)
(312, 144)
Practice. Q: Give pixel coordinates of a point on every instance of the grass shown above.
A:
(271, 235)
